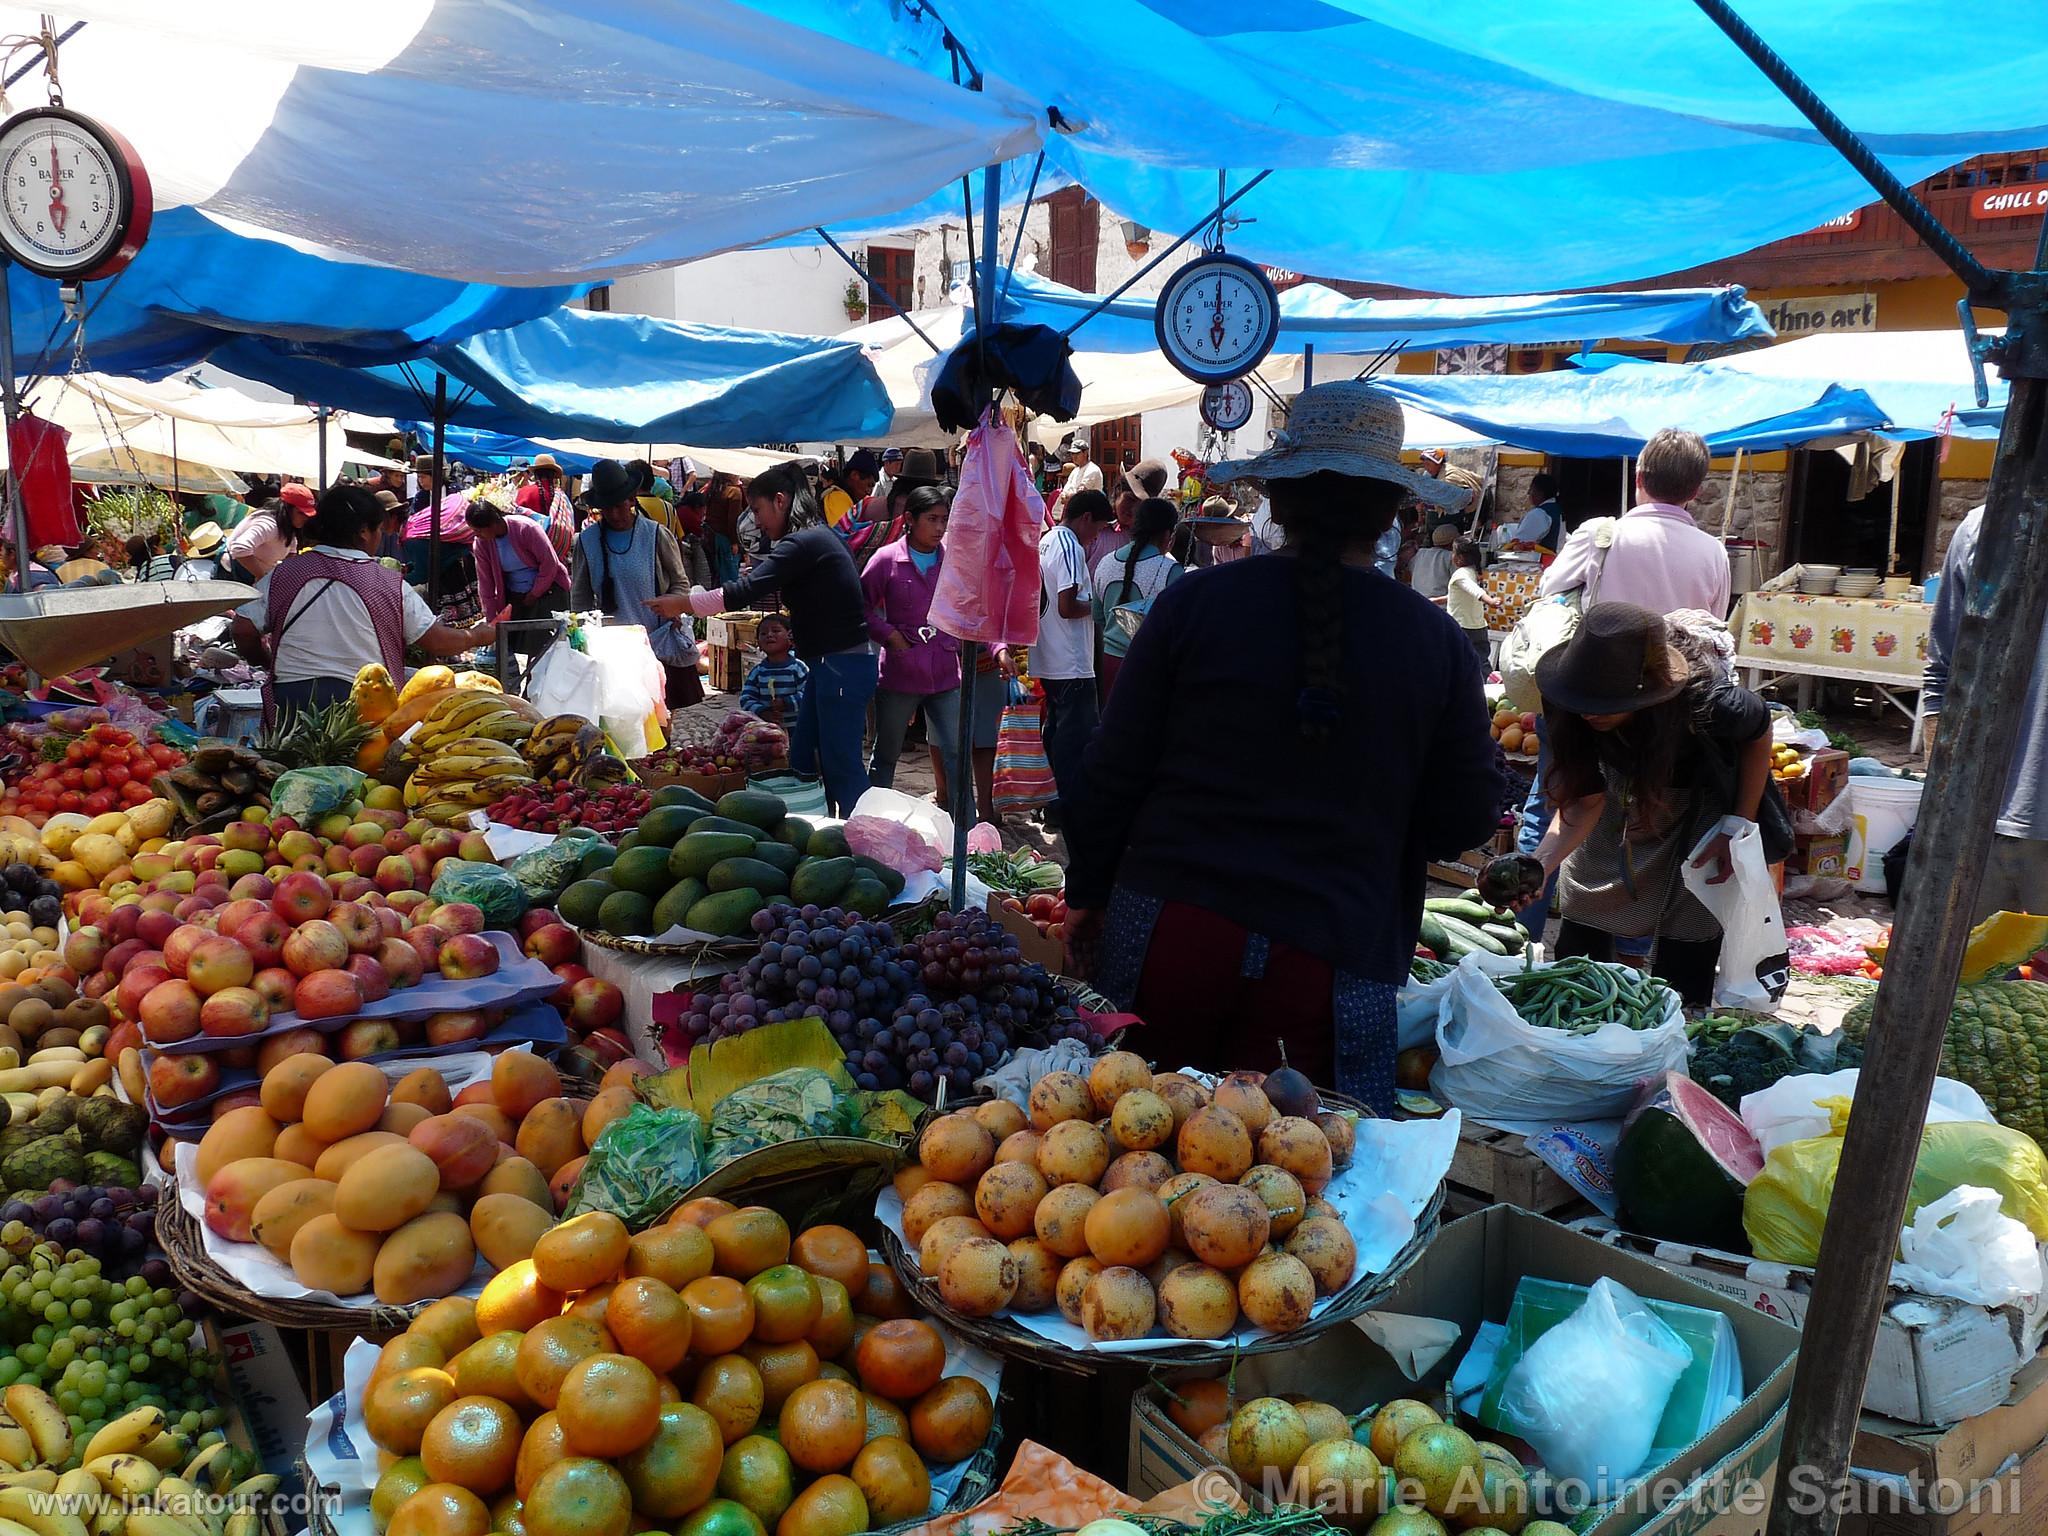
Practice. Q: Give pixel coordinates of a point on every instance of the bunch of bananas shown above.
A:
(126, 1482)
(569, 747)
(466, 753)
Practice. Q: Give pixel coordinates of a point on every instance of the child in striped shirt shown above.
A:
(775, 687)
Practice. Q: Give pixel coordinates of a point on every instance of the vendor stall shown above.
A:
(1877, 641)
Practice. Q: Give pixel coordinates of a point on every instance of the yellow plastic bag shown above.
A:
(1786, 1205)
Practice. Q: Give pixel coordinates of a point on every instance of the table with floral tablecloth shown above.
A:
(1853, 635)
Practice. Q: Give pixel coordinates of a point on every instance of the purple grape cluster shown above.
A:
(114, 1226)
(940, 1008)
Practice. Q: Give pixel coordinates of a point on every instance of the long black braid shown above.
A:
(1151, 526)
(1324, 515)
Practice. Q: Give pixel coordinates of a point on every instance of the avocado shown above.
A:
(820, 881)
(664, 826)
(781, 855)
(698, 851)
(673, 910)
(828, 843)
(578, 905)
(726, 824)
(726, 914)
(681, 794)
(755, 806)
(892, 882)
(643, 869)
(867, 896)
(599, 857)
(626, 914)
(795, 831)
(733, 874)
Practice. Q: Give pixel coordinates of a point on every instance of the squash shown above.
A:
(427, 680)
(374, 694)
(2002, 941)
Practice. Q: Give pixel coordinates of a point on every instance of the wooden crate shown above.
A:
(1463, 871)
(1493, 1167)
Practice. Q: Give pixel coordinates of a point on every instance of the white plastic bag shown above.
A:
(1755, 967)
(1791, 1110)
(565, 682)
(1417, 1003)
(633, 685)
(1964, 1245)
(1501, 1069)
(1590, 1393)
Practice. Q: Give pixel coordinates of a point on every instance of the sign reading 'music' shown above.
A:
(2010, 202)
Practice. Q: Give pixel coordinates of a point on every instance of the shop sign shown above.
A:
(1841, 224)
(2009, 202)
(1811, 315)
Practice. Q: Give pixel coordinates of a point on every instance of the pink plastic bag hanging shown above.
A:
(988, 586)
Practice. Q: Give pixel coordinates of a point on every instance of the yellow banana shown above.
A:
(130, 1432)
(446, 810)
(43, 1513)
(473, 706)
(42, 1479)
(481, 746)
(157, 1522)
(16, 1528)
(193, 1507)
(37, 1412)
(80, 1491)
(250, 1489)
(165, 1451)
(412, 795)
(16, 1449)
(209, 1469)
(243, 1522)
(126, 1475)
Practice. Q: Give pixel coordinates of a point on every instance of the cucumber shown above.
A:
(1471, 937)
(1433, 937)
(1467, 909)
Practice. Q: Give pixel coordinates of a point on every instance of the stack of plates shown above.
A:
(1856, 583)
(1818, 580)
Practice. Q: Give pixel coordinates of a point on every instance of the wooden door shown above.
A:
(1117, 445)
(1075, 219)
(890, 269)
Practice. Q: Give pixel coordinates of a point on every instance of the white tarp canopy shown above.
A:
(1921, 380)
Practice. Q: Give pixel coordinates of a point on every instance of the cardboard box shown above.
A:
(1717, 1487)
(1032, 945)
(2002, 1498)
(272, 1405)
(1820, 854)
(1938, 1360)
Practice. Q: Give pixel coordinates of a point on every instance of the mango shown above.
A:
(506, 1227)
(550, 1135)
(233, 1192)
(240, 1133)
(341, 1156)
(386, 1187)
(430, 1255)
(288, 1207)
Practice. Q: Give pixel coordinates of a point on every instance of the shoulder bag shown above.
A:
(1550, 622)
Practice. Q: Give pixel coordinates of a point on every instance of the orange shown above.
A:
(883, 1295)
(901, 1359)
(783, 1368)
(450, 1323)
(397, 1409)
(721, 1314)
(550, 1349)
(832, 1370)
(407, 1352)
(578, 1497)
(441, 1509)
(650, 1322)
(863, 1325)
(594, 1304)
(675, 1254)
(832, 1253)
(949, 1423)
(399, 1482)
(541, 1449)
(507, 1517)
(722, 1517)
(832, 1506)
(885, 1418)
(832, 1334)
(747, 1241)
(609, 1405)
(785, 1303)
(474, 1443)
(729, 1388)
(892, 1478)
(489, 1368)
(757, 1476)
(822, 1425)
(515, 1298)
(581, 1252)
(700, 1212)
(677, 1469)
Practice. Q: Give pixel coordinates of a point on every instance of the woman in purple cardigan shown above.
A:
(516, 565)
(920, 666)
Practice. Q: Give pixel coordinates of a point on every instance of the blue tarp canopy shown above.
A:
(1921, 380)
(1612, 412)
(1333, 323)
(1460, 146)
(497, 451)
(612, 378)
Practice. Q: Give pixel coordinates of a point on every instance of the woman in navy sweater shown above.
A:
(1289, 740)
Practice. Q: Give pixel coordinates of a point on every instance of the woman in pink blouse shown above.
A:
(920, 666)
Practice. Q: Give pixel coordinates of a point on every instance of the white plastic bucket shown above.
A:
(1884, 811)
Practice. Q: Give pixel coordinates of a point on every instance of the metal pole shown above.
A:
(434, 529)
(10, 406)
(1898, 480)
(1308, 365)
(177, 474)
(320, 425)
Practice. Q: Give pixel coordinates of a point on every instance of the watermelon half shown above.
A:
(1682, 1166)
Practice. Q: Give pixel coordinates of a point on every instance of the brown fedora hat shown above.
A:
(1620, 659)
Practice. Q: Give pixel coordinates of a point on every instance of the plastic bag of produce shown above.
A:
(643, 1164)
(1418, 1003)
(1787, 1204)
(1507, 1072)
(544, 873)
(1963, 1245)
(1795, 1108)
(784, 1106)
(307, 794)
(1590, 1393)
(502, 897)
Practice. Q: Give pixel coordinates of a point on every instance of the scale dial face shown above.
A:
(1227, 406)
(74, 200)
(1217, 318)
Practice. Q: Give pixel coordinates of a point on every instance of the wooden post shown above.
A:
(1728, 506)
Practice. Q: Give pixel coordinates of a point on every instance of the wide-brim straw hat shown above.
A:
(204, 539)
(543, 461)
(1620, 659)
(1348, 427)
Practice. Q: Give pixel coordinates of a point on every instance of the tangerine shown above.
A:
(675, 1254)
(407, 1352)
(582, 1252)
(885, 1418)
(507, 1516)
(832, 1333)
(516, 1299)
(650, 1322)
(677, 1469)
(594, 1304)
(757, 1476)
(832, 1506)
(901, 1359)
(473, 1443)
(786, 1303)
(397, 1409)
(450, 1323)
(823, 1425)
(399, 1482)
(783, 1368)
(578, 1497)
(883, 1296)
(700, 1212)
(552, 1348)
(729, 1388)
(892, 1478)
(610, 1406)
(441, 1509)
(746, 1241)
(722, 1517)
(490, 1368)
(950, 1422)
(541, 1448)
(833, 1253)
(721, 1314)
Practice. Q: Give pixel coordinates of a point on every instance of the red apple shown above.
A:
(98, 984)
(366, 1037)
(170, 1012)
(237, 912)
(248, 836)
(363, 834)
(124, 1036)
(159, 901)
(179, 946)
(184, 1079)
(116, 960)
(370, 977)
(263, 936)
(401, 962)
(315, 946)
(453, 1028)
(301, 897)
(441, 842)
(198, 903)
(310, 864)
(276, 986)
(137, 978)
(217, 964)
(242, 1098)
(353, 888)
(119, 923)
(155, 927)
(608, 1046)
(358, 926)
(204, 858)
(394, 872)
(570, 975)
(295, 845)
(427, 939)
(536, 918)
(390, 921)
(476, 848)
(279, 825)
(459, 917)
(594, 1003)
(407, 902)
(292, 1042)
(555, 944)
(364, 860)
(86, 949)
(328, 994)
(467, 956)
(422, 866)
(253, 888)
(234, 1011)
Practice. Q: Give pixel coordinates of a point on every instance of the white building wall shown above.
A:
(801, 290)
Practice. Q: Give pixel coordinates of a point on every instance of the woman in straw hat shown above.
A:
(1259, 800)
(1651, 750)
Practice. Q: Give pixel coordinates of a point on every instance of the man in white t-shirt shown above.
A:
(1081, 474)
(1063, 660)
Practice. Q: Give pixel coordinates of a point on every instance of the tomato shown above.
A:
(116, 775)
(98, 803)
(70, 800)
(46, 800)
(76, 752)
(93, 777)
(135, 792)
(165, 755)
(73, 778)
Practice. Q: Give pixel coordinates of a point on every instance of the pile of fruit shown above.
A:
(1045, 911)
(711, 1377)
(712, 868)
(570, 749)
(1516, 733)
(100, 770)
(467, 752)
(591, 1008)
(562, 804)
(362, 1185)
(687, 757)
(65, 1126)
(1788, 763)
(1402, 1471)
(217, 779)
(1132, 1201)
(112, 1223)
(940, 1008)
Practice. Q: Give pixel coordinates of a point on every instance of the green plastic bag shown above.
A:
(643, 1164)
(544, 873)
(501, 897)
(307, 794)
(784, 1106)
(1786, 1205)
